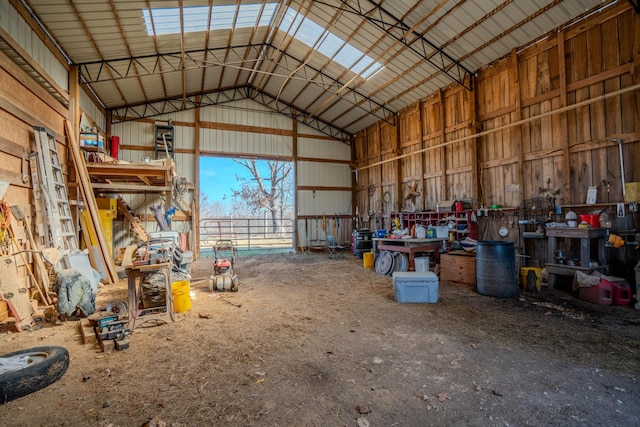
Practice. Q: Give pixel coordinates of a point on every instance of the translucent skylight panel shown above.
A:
(222, 17)
(332, 46)
(195, 18)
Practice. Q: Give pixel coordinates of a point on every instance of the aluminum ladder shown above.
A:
(53, 193)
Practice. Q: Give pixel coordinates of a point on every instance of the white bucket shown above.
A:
(421, 263)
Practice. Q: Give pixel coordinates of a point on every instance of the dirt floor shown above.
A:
(309, 341)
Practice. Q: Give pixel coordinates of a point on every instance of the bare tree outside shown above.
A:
(211, 209)
(272, 193)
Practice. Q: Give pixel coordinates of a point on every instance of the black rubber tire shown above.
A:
(47, 365)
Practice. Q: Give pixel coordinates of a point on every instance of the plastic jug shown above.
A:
(431, 232)
(421, 232)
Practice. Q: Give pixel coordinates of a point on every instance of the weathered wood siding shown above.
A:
(517, 155)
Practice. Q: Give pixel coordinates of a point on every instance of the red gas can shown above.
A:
(599, 294)
(621, 293)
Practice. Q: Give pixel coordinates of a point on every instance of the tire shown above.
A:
(25, 371)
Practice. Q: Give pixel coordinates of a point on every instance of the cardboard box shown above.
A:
(459, 267)
(415, 286)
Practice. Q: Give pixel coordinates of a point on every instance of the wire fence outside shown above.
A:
(247, 234)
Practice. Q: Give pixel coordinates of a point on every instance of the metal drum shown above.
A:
(496, 269)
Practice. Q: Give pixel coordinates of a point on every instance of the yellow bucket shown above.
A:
(367, 259)
(181, 298)
(524, 274)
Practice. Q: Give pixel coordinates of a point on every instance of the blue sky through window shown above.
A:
(347, 55)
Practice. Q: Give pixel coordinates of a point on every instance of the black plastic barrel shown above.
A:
(496, 269)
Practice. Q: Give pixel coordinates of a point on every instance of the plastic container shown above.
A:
(524, 277)
(496, 269)
(599, 294)
(115, 146)
(368, 259)
(620, 293)
(421, 232)
(421, 263)
(380, 234)
(416, 287)
(181, 298)
(592, 219)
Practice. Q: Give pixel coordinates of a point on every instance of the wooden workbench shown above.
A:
(585, 236)
(410, 247)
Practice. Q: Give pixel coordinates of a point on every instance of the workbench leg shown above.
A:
(552, 280)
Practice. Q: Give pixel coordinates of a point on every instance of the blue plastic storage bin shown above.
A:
(415, 286)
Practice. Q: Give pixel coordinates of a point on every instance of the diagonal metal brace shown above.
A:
(397, 29)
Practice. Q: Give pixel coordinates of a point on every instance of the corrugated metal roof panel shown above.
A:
(465, 31)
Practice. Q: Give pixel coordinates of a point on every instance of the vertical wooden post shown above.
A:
(294, 159)
(422, 156)
(566, 165)
(473, 115)
(354, 184)
(74, 100)
(635, 74)
(397, 152)
(107, 130)
(195, 212)
(443, 149)
(74, 114)
(516, 132)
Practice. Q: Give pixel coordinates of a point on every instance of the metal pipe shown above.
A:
(624, 191)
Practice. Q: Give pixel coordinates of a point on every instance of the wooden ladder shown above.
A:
(53, 193)
(133, 220)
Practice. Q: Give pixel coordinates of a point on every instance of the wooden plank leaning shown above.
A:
(90, 203)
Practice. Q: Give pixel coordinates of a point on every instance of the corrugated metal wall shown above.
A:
(19, 30)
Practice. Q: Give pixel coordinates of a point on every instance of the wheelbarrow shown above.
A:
(224, 277)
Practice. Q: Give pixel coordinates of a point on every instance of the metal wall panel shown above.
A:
(12, 23)
(323, 149)
(249, 143)
(317, 203)
(324, 174)
(90, 109)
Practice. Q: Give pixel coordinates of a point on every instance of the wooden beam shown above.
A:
(90, 202)
(443, 152)
(516, 132)
(590, 101)
(195, 219)
(566, 165)
(32, 63)
(398, 180)
(423, 188)
(27, 81)
(294, 155)
(475, 184)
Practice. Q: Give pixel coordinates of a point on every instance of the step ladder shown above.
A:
(133, 219)
(60, 231)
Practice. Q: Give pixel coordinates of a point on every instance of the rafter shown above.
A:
(419, 44)
(167, 106)
(136, 67)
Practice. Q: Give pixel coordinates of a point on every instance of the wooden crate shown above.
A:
(459, 267)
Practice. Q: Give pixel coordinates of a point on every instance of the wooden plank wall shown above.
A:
(561, 153)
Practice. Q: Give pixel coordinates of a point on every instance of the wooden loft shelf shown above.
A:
(131, 178)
